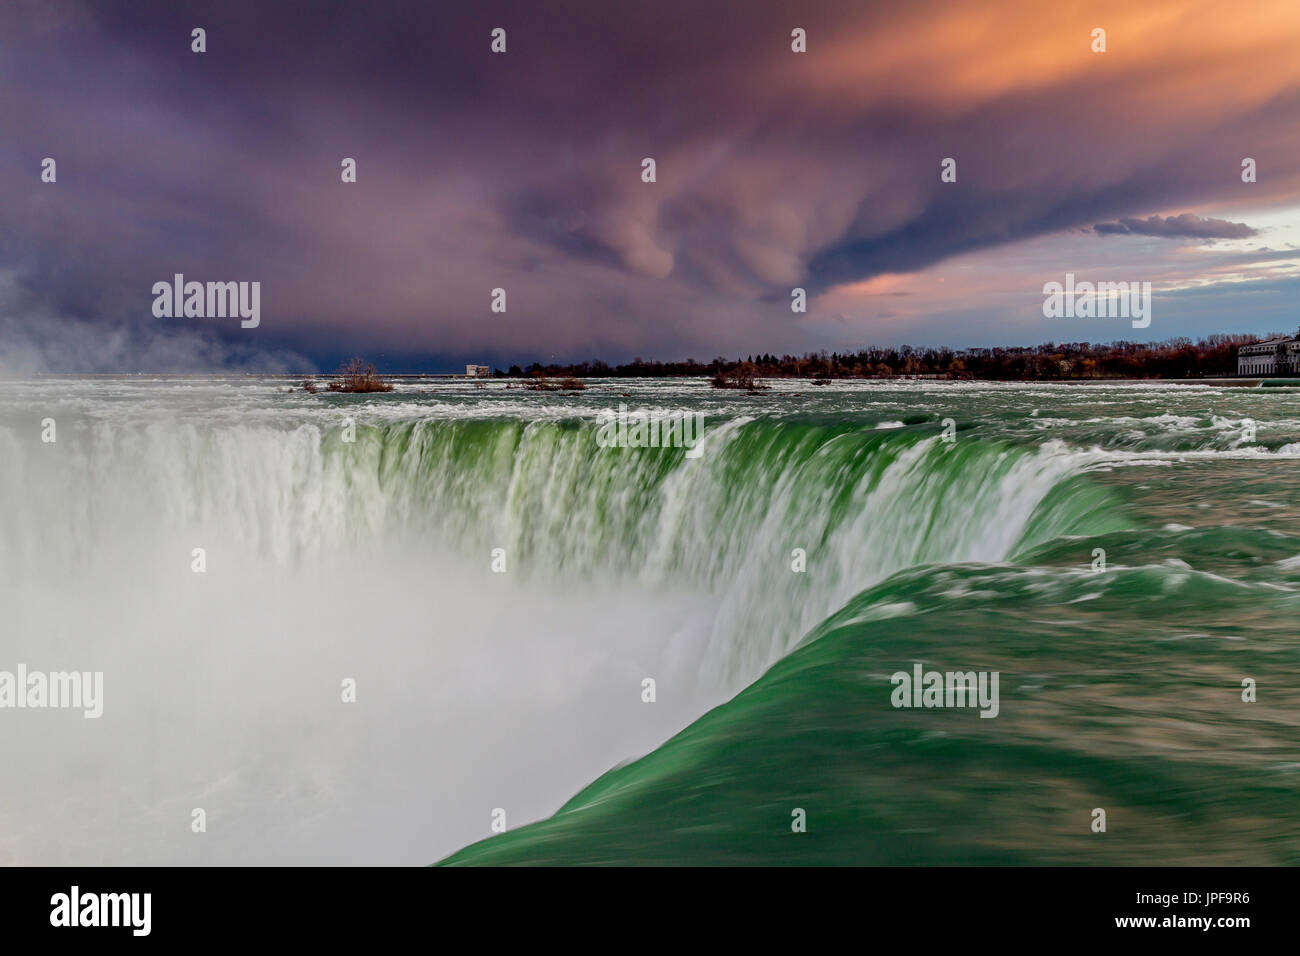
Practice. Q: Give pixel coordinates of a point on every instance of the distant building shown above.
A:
(477, 371)
(1279, 356)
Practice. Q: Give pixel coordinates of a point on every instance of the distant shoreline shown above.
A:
(1211, 359)
(1218, 381)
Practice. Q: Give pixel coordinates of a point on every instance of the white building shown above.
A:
(1279, 356)
(477, 371)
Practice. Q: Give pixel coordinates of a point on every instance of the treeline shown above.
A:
(1213, 356)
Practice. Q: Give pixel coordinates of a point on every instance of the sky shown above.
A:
(523, 171)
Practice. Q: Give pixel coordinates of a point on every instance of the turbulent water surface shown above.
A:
(498, 585)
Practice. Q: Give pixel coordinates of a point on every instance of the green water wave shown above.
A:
(1103, 704)
(1121, 689)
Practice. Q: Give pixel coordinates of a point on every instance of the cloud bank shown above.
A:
(521, 170)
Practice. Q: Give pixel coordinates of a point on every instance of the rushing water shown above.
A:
(951, 524)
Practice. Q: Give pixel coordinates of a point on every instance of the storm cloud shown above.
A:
(1184, 226)
(522, 170)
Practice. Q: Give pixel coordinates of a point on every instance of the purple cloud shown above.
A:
(521, 170)
(1172, 227)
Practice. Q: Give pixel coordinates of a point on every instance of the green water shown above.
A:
(1121, 688)
(822, 540)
